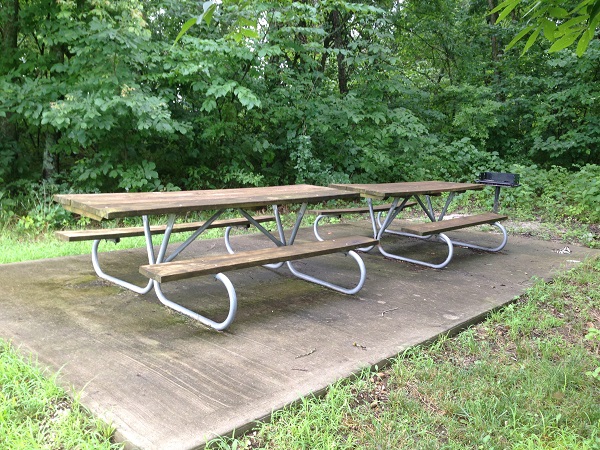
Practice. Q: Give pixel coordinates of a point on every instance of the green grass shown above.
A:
(36, 413)
(15, 248)
(523, 379)
(18, 247)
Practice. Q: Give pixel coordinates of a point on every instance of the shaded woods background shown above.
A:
(95, 96)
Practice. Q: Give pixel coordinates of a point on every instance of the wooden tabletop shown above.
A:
(110, 206)
(407, 189)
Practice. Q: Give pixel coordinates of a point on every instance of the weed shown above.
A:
(594, 336)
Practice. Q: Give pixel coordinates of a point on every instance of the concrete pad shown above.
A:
(167, 382)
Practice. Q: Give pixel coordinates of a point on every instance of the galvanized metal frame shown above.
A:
(161, 257)
(151, 257)
(442, 237)
(426, 205)
(322, 216)
(282, 241)
(219, 326)
(487, 249)
(262, 229)
(335, 287)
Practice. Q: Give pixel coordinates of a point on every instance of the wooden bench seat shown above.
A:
(354, 210)
(116, 233)
(178, 270)
(429, 228)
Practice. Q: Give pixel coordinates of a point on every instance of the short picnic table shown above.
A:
(422, 191)
(163, 268)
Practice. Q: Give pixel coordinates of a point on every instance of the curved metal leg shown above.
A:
(379, 221)
(316, 225)
(451, 243)
(200, 318)
(335, 287)
(319, 238)
(231, 251)
(152, 259)
(441, 237)
(227, 242)
(495, 249)
(118, 281)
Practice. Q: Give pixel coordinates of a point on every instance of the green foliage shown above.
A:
(128, 95)
(209, 9)
(594, 336)
(36, 413)
(459, 160)
(99, 173)
(38, 212)
(557, 194)
(81, 85)
(585, 189)
(562, 27)
(7, 209)
(566, 130)
(6, 159)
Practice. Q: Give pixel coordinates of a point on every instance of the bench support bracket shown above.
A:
(220, 326)
(152, 259)
(282, 241)
(335, 287)
(380, 229)
(442, 237)
(200, 318)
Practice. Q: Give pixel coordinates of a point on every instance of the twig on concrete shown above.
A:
(388, 310)
(306, 354)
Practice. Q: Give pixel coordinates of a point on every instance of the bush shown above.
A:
(557, 194)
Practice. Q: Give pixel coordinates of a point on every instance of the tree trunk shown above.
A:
(9, 27)
(48, 158)
(492, 21)
(9, 24)
(339, 43)
(48, 162)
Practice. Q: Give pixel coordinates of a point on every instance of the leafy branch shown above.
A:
(558, 25)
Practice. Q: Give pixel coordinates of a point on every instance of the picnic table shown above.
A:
(162, 268)
(402, 195)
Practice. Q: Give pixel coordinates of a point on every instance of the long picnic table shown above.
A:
(401, 194)
(162, 268)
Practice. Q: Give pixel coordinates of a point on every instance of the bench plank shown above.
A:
(114, 233)
(179, 270)
(428, 228)
(354, 210)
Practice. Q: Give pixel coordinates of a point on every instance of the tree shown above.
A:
(78, 91)
(129, 95)
(562, 26)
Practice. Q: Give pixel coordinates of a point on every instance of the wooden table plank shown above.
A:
(117, 205)
(405, 189)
